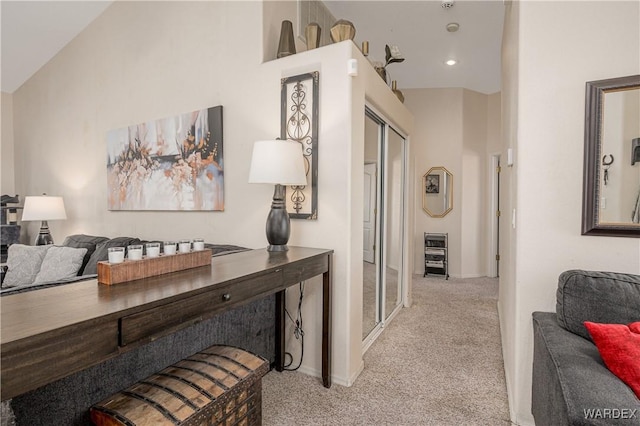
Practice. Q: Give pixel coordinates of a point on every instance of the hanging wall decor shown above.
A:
(299, 115)
(173, 163)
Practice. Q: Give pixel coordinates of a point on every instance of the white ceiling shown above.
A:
(32, 32)
(418, 28)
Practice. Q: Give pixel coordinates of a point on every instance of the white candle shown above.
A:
(184, 246)
(116, 254)
(198, 244)
(153, 249)
(134, 252)
(169, 247)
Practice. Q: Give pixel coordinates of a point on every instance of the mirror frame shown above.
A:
(424, 195)
(594, 98)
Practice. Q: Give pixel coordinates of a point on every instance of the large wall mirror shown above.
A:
(611, 186)
(437, 192)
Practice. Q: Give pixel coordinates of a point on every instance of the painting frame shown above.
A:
(171, 164)
(299, 122)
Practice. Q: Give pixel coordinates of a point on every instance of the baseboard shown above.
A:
(463, 276)
(355, 375)
(313, 372)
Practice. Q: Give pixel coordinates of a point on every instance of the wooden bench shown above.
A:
(220, 385)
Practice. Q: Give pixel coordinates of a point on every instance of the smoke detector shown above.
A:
(447, 4)
(452, 27)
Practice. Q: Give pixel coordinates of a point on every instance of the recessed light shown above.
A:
(451, 62)
(452, 27)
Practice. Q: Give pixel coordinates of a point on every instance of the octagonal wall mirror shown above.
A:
(437, 192)
(611, 188)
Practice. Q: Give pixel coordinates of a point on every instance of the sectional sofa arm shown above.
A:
(570, 380)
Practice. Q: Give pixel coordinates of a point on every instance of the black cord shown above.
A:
(298, 332)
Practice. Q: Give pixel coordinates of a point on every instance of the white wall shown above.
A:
(7, 175)
(134, 63)
(543, 96)
(473, 234)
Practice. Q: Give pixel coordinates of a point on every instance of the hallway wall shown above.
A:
(457, 129)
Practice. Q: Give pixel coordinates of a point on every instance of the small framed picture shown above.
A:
(432, 184)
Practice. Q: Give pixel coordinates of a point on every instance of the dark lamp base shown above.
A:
(44, 237)
(278, 227)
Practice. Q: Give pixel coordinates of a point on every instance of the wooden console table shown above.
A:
(52, 333)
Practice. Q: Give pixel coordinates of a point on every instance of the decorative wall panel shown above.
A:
(299, 116)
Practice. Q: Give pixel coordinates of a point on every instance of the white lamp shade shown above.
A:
(43, 208)
(277, 162)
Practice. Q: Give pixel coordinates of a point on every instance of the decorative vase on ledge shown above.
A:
(382, 72)
(286, 46)
(312, 35)
(398, 93)
(342, 30)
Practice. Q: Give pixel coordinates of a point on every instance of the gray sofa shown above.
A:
(570, 380)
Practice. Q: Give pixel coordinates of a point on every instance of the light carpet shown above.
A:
(438, 362)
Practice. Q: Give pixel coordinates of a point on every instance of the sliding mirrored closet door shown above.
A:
(384, 192)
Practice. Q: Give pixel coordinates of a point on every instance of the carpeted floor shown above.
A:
(437, 363)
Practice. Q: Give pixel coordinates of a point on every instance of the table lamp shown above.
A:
(278, 162)
(43, 208)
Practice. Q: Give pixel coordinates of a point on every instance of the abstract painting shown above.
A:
(174, 163)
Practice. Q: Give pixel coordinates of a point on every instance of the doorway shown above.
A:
(494, 214)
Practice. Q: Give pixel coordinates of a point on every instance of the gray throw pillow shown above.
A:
(60, 263)
(23, 264)
(84, 241)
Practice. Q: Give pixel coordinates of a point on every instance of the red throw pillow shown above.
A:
(619, 347)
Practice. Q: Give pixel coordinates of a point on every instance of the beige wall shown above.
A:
(456, 129)
(7, 175)
(543, 96)
(133, 64)
(473, 234)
